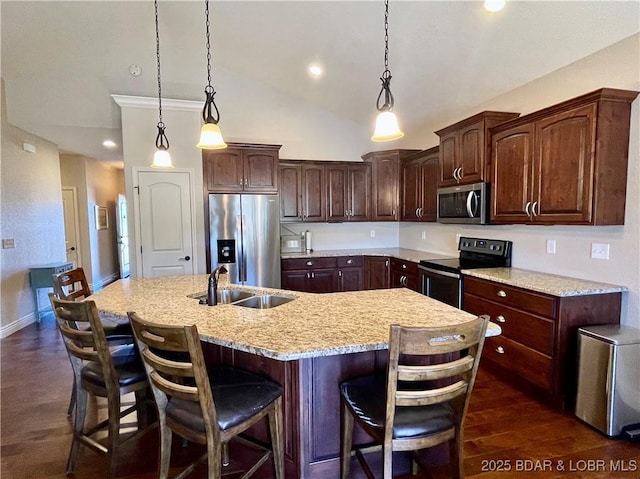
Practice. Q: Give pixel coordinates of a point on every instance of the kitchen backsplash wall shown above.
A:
(332, 236)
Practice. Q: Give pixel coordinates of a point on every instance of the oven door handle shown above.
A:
(443, 273)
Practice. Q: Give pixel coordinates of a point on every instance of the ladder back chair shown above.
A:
(73, 286)
(415, 404)
(207, 406)
(104, 370)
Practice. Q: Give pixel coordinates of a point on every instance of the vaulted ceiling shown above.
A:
(61, 61)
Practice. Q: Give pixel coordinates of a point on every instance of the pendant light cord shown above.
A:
(209, 104)
(162, 143)
(386, 74)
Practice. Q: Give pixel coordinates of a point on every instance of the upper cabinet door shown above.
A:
(411, 190)
(290, 192)
(471, 153)
(243, 167)
(313, 193)
(448, 159)
(384, 195)
(337, 204)
(463, 152)
(359, 193)
(511, 182)
(223, 170)
(563, 173)
(260, 171)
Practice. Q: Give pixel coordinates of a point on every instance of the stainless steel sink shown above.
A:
(225, 296)
(265, 301)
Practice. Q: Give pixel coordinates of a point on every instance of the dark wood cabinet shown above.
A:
(350, 273)
(463, 148)
(566, 164)
(419, 186)
(376, 272)
(241, 168)
(348, 191)
(404, 274)
(537, 346)
(385, 179)
(302, 192)
(312, 275)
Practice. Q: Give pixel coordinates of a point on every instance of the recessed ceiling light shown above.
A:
(109, 144)
(494, 5)
(315, 70)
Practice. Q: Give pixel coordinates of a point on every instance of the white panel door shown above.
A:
(165, 223)
(71, 228)
(122, 232)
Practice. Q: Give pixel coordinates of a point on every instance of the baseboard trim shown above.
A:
(105, 282)
(17, 325)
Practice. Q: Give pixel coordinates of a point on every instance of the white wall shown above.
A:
(347, 235)
(617, 66)
(31, 215)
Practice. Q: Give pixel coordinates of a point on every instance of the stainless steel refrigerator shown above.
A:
(245, 237)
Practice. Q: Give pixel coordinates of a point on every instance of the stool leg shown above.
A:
(277, 438)
(347, 441)
(78, 427)
(72, 400)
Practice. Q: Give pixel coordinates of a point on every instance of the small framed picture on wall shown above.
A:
(102, 217)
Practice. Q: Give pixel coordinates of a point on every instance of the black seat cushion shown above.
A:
(127, 364)
(114, 328)
(237, 395)
(366, 396)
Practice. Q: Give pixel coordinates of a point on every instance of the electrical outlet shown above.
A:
(8, 243)
(423, 235)
(551, 246)
(600, 250)
(372, 233)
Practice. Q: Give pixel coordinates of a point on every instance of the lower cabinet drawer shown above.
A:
(513, 356)
(533, 331)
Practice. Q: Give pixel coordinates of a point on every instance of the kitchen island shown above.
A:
(308, 345)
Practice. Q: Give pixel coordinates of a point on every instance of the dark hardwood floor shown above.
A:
(505, 428)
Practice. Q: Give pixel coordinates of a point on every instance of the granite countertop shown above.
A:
(400, 253)
(312, 325)
(552, 284)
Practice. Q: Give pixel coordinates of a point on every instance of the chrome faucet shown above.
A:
(212, 291)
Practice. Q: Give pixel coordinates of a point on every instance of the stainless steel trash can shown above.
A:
(608, 392)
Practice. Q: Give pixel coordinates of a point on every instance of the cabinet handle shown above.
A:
(246, 181)
(526, 208)
(501, 319)
(533, 208)
(241, 181)
(313, 275)
(421, 214)
(308, 275)
(309, 263)
(500, 350)
(502, 294)
(386, 263)
(455, 173)
(349, 261)
(417, 214)
(404, 266)
(340, 273)
(393, 212)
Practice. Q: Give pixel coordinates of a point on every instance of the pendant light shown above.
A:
(210, 135)
(387, 128)
(161, 158)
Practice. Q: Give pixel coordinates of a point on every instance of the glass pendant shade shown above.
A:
(161, 159)
(387, 128)
(211, 137)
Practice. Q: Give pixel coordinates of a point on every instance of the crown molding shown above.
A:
(152, 103)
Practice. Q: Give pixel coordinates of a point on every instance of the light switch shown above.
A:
(8, 243)
(551, 246)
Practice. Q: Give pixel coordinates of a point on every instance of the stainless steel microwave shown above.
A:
(465, 204)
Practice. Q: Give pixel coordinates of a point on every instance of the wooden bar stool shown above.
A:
(410, 407)
(208, 407)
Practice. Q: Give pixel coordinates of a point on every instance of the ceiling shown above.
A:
(62, 61)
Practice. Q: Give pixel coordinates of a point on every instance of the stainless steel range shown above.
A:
(441, 279)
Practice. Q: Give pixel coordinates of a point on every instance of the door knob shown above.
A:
(186, 258)
(73, 248)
